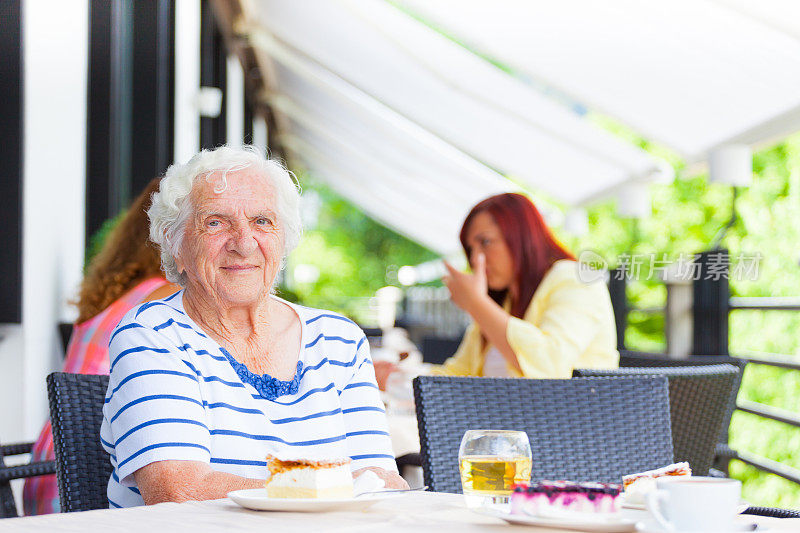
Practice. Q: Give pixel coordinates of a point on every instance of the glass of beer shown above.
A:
(491, 462)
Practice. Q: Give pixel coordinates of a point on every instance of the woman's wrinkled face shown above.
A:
(484, 236)
(233, 244)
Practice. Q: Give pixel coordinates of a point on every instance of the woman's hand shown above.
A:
(467, 289)
(383, 369)
(390, 479)
(470, 292)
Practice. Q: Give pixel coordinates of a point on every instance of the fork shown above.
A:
(415, 489)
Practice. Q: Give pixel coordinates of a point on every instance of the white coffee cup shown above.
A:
(689, 504)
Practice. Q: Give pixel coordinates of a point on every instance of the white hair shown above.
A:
(171, 206)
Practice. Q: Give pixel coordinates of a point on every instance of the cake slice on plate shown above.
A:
(637, 485)
(307, 478)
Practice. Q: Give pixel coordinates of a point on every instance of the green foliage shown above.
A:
(687, 215)
(770, 225)
(355, 256)
(98, 239)
(757, 486)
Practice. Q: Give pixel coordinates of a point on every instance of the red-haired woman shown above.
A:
(532, 315)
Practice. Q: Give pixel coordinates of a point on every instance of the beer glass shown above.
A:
(491, 462)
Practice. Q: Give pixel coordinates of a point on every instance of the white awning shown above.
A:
(384, 96)
(401, 119)
(691, 74)
(397, 173)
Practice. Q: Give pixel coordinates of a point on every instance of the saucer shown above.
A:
(595, 525)
(742, 507)
(653, 527)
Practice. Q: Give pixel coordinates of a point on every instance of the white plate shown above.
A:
(648, 527)
(257, 500)
(621, 525)
(626, 505)
(743, 505)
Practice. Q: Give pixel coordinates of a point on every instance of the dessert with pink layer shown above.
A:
(548, 498)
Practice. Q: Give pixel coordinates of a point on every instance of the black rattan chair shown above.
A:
(629, 358)
(642, 359)
(698, 398)
(595, 429)
(645, 359)
(82, 465)
(774, 512)
(8, 508)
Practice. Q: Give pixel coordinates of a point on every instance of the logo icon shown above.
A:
(592, 267)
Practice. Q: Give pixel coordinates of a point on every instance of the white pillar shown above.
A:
(260, 132)
(234, 96)
(56, 49)
(187, 79)
(678, 315)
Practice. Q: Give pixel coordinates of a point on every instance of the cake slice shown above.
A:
(306, 478)
(637, 485)
(556, 498)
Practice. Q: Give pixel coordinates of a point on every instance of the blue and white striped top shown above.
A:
(175, 393)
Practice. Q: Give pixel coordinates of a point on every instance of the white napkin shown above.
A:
(367, 482)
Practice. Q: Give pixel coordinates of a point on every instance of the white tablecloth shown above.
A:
(416, 511)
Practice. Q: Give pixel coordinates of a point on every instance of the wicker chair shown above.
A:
(581, 429)
(724, 453)
(82, 465)
(642, 359)
(8, 508)
(698, 398)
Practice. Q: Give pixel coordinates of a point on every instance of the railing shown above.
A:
(773, 360)
(429, 311)
(711, 309)
(765, 303)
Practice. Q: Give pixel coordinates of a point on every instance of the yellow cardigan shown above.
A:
(568, 324)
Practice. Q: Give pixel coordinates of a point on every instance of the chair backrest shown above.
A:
(82, 465)
(644, 359)
(595, 429)
(698, 398)
(436, 350)
(8, 507)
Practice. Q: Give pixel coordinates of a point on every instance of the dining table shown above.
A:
(411, 511)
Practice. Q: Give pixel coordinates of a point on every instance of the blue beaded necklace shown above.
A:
(267, 386)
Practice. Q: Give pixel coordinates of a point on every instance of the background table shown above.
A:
(403, 432)
(413, 511)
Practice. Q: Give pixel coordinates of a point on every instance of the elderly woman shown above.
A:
(205, 383)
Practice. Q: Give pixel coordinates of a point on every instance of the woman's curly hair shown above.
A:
(126, 259)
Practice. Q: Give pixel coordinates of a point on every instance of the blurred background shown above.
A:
(646, 132)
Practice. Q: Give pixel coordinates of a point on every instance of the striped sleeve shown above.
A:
(367, 433)
(154, 410)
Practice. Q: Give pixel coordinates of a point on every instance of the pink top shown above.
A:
(87, 353)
